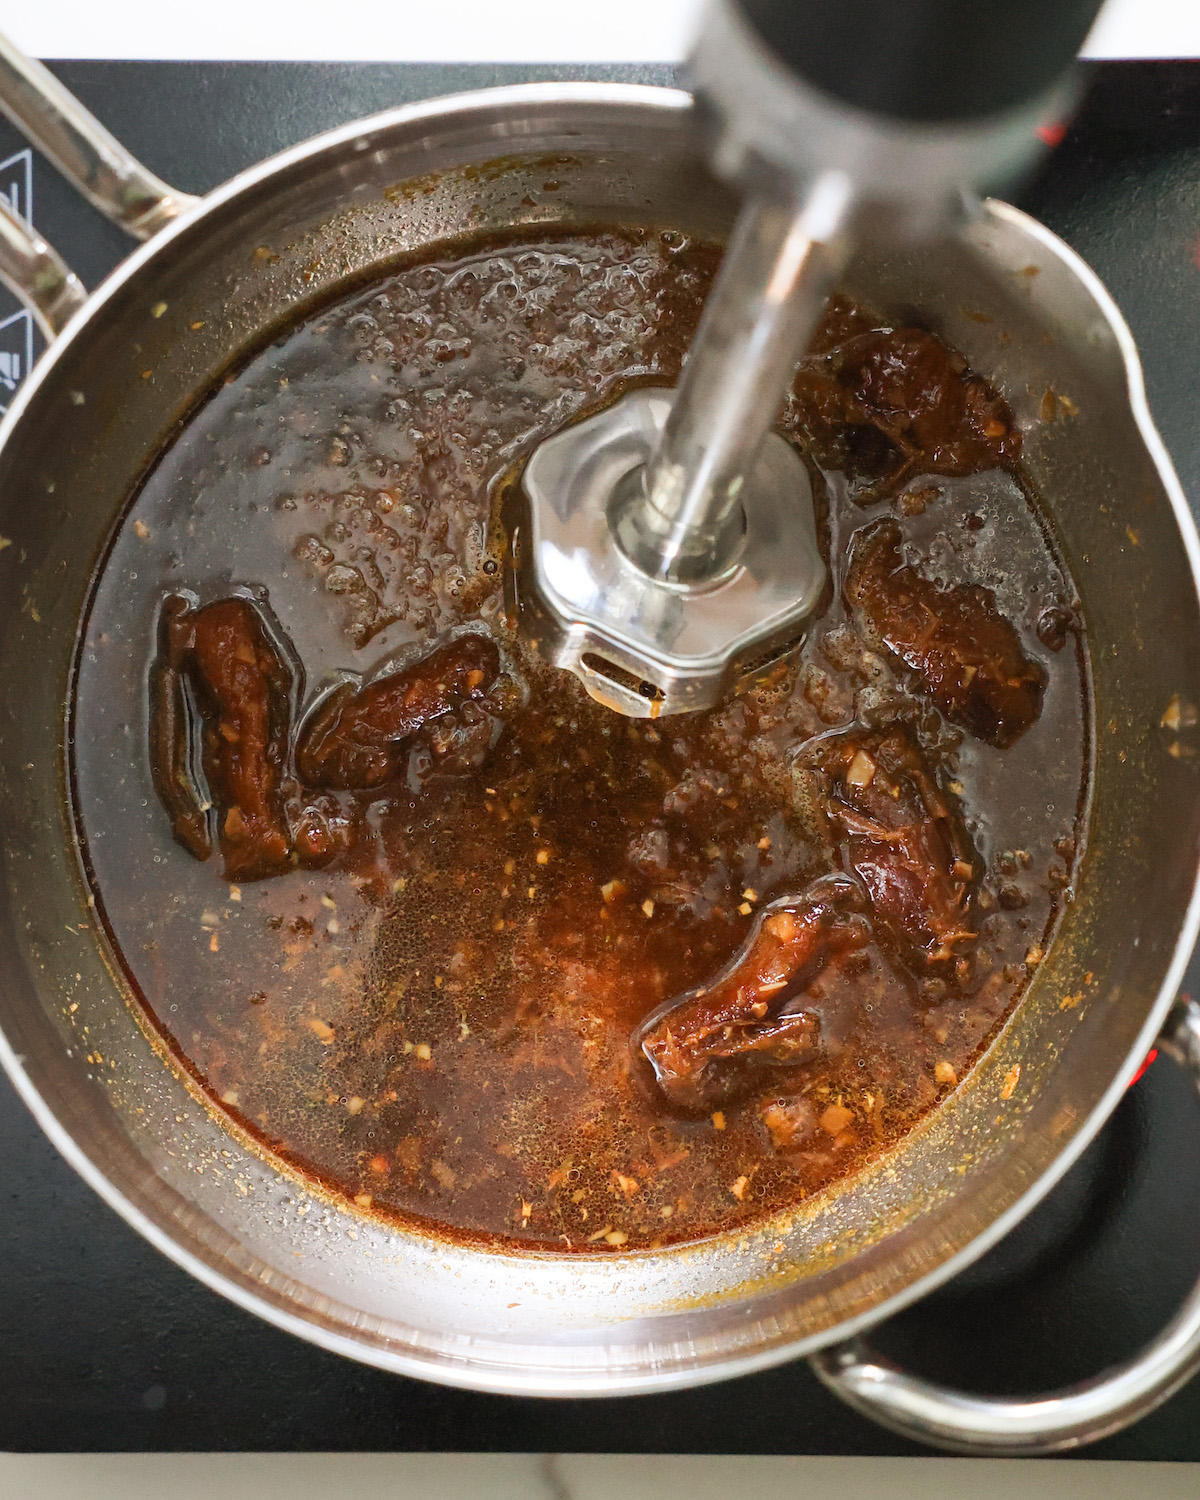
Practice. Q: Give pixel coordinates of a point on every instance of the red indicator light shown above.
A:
(1150, 1056)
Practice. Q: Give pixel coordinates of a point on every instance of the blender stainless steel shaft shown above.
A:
(680, 519)
(668, 543)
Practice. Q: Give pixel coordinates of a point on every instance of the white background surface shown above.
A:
(575, 1476)
(553, 31)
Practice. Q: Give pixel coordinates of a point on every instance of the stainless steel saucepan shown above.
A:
(217, 277)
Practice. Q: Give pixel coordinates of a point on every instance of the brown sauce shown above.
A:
(473, 951)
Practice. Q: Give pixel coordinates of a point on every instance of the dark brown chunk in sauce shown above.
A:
(967, 656)
(357, 737)
(494, 900)
(898, 833)
(243, 689)
(709, 1045)
(225, 660)
(882, 404)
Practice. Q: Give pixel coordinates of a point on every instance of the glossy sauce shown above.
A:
(444, 1023)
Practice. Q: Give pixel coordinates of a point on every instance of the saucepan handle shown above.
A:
(83, 151)
(1043, 1424)
(90, 158)
(36, 274)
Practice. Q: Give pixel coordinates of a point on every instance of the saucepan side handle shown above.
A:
(82, 150)
(36, 274)
(1044, 1424)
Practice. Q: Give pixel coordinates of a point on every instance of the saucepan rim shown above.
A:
(439, 1365)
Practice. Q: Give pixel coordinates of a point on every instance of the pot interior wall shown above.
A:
(110, 398)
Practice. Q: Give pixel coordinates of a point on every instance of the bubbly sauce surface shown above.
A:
(570, 980)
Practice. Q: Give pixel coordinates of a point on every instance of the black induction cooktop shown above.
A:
(106, 1345)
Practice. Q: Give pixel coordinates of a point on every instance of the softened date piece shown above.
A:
(243, 690)
(357, 738)
(884, 404)
(222, 669)
(966, 655)
(707, 1045)
(901, 837)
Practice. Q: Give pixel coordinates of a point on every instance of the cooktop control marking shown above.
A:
(16, 183)
(16, 354)
(16, 331)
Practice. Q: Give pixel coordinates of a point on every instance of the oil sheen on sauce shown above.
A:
(437, 1025)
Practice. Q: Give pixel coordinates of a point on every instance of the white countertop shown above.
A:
(551, 31)
(516, 1476)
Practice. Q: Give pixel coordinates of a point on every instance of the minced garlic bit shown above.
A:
(322, 1030)
(364, 1200)
(944, 1072)
(738, 1188)
(861, 770)
(354, 1104)
(1179, 714)
(141, 530)
(1011, 1079)
(718, 1119)
(611, 890)
(745, 908)
(1034, 956)
(447, 1177)
(783, 925)
(666, 1211)
(749, 894)
(834, 1119)
(648, 907)
(235, 893)
(329, 903)
(543, 856)
(424, 1051)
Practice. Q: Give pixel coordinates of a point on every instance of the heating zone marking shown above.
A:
(16, 330)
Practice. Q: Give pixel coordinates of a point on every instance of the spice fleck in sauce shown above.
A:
(469, 948)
